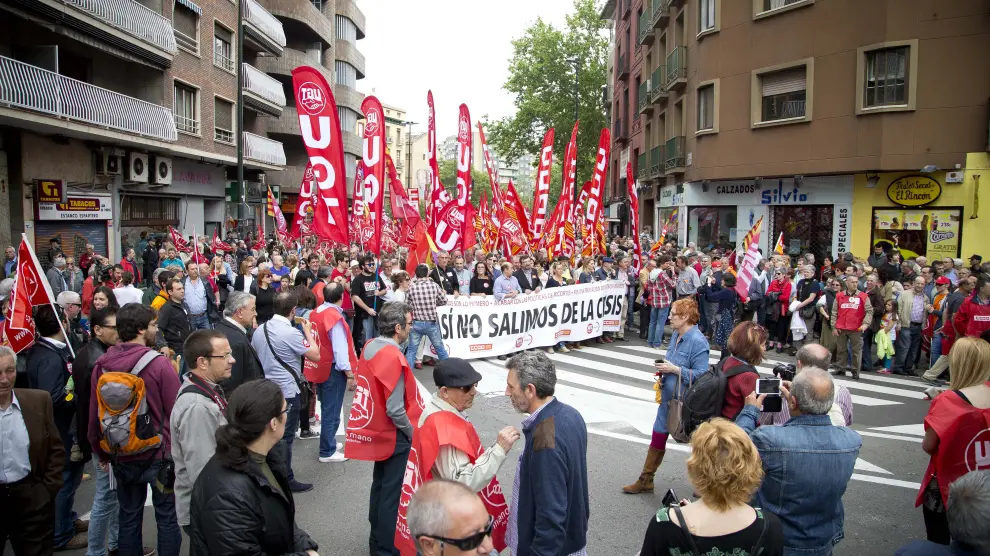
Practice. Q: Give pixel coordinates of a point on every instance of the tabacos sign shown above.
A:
(913, 191)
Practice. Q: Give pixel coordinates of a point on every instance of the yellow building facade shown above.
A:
(922, 214)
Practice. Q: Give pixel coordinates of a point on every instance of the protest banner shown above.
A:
(474, 327)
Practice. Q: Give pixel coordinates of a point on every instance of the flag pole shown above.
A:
(48, 291)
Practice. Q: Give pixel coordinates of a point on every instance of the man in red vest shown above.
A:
(973, 317)
(852, 313)
(334, 372)
(448, 447)
(384, 415)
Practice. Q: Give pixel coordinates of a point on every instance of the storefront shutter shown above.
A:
(74, 236)
(783, 82)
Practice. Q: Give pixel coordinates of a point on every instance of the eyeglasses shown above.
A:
(221, 356)
(467, 543)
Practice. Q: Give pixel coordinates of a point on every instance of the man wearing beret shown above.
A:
(447, 446)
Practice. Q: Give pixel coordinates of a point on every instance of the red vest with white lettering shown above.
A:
(964, 442)
(972, 319)
(323, 321)
(371, 435)
(444, 428)
(852, 310)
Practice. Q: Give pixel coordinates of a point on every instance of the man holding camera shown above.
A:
(812, 356)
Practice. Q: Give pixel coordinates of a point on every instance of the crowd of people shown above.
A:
(191, 376)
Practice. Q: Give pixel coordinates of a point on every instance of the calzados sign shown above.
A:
(914, 191)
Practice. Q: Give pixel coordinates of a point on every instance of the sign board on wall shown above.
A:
(913, 191)
(841, 228)
(814, 190)
(77, 208)
(943, 234)
(51, 191)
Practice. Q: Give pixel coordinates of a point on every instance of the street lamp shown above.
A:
(409, 124)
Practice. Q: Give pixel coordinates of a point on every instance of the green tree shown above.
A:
(542, 79)
(479, 178)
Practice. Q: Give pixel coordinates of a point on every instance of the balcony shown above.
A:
(656, 161)
(33, 89)
(262, 94)
(125, 24)
(625, 7)
(618, 131)
(645, 25)
(677, 68)
(675, 159)
(644, 104)
(661, 13)
(622, 67)
(642, 168)
(659, 81)
(262, 30)
(675, 4)
(264, 150)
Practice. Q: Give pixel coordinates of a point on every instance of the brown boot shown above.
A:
(645, 482)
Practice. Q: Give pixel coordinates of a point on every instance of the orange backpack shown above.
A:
(122, 406)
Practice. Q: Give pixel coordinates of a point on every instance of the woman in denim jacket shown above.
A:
(687, 358)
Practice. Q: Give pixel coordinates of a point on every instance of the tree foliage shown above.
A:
(479, 177)
(542, 80)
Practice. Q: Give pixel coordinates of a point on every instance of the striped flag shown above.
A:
(748, 268)
(779, 247)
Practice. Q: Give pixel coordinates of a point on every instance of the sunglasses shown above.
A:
(467, 543)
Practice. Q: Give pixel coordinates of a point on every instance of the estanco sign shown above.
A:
(77, 208)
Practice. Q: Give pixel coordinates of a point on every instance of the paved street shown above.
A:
(611, 387)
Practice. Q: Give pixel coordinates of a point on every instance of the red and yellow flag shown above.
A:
(779, 247)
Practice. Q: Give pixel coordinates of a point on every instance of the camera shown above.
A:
(784, 371)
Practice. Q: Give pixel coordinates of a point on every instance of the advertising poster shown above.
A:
(889, 220)
(916, 220)
(943, 234)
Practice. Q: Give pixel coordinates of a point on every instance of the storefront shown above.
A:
(931, 215)
(813, 215)
(670, 198)
(83, 219)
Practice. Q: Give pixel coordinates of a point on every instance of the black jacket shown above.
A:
(82, 373)
(234, 512)
(47, 369)
(173, 325)
(528, 281)
(446, 279)
(248, 366)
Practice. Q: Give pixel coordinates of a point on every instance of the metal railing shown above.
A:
(223, 135)
(618, 133)
(132, 18)
(661, 10)
(262, 85)
(641, 167)
(39, 90)
(263, 149)
(656, 161)
(622, 66)
(643, 96)
(268, 24)
(674, 153)
(644, 26)
(659, 82)
(676, 65)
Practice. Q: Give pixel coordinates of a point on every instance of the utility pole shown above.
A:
(409, 125)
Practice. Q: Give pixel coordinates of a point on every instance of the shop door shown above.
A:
(73, 235)
(146, 214)
(807, 229)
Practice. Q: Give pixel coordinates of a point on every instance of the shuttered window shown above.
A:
(186, 24)
(784, 94)
(223, 120)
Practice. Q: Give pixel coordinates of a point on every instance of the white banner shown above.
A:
(474, 327)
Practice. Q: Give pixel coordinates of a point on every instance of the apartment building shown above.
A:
(841, 123)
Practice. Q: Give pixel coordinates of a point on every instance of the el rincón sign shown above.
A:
(914, 191)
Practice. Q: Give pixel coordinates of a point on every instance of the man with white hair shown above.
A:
(71, 305)
(56, 276)
(809, 505)
(967, 512)
(448, 518)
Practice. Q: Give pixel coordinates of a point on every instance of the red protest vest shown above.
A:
(444, 428)
(370, 432)
(323, 321)
(852, 310)
(964, 441)
(972, 318)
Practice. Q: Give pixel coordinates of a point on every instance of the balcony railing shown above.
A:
(658, 82)
(622, 66)
(131, 18)
(676, 66)
(643, 97)
(257, 18)
(642, 167)
(674, 151)
(645, 25)
(661, 13)
(656, 161)
(259, 84)
(32, 88)
(263, 149)
(618, 132)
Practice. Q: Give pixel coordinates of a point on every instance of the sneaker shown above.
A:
(430, 362)
(550, 350)
(576, 346)
(78, 541)
(80, 526)
(419, 365)
(314, 420)
(296, 486)
(838, 373)
(563, 349)
(503, 357)
(620, 339)
(337, 457)
(884, 371)
(307, 435)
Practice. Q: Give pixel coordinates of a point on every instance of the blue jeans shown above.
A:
(331, 394)
(369, 328)
(936, 348)
(133, 480)
(431, 330)
(103, 517)
(658, 320)
(64, 515)
(291, 425)
(199, 322)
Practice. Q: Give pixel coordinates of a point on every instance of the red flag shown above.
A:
(593, 211)
(438, 200)
(561, 241)
(275, 212)
(495, 211)
(541, 190)
(259, 245)
(402, 207)
(31, 289)
(217, 244)
(432, 170)
(373, 156)
(748, 268)
(464, 139)
(320, 128)
(634, 212)
(180, 243)
(515, 225)
(304, 203)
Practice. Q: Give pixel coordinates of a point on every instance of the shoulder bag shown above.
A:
(300, 382)
(756, 550)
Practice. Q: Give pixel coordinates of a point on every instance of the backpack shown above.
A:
(704, 398)
(122, 407)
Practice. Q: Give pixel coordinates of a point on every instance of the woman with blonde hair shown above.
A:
(956, 418)
(725, 470)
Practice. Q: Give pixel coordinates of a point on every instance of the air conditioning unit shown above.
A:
(954, 177)
(108, 162)
(161, 173)
(137, 167)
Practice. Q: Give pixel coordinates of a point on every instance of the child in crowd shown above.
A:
(885, 341)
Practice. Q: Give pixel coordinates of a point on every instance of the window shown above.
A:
(766, 8)
(223, 56)
(186, 24)
(185, 106)
(706, 17)
(223, 120)
(886, 77)
(783, 94)
(706, 108)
